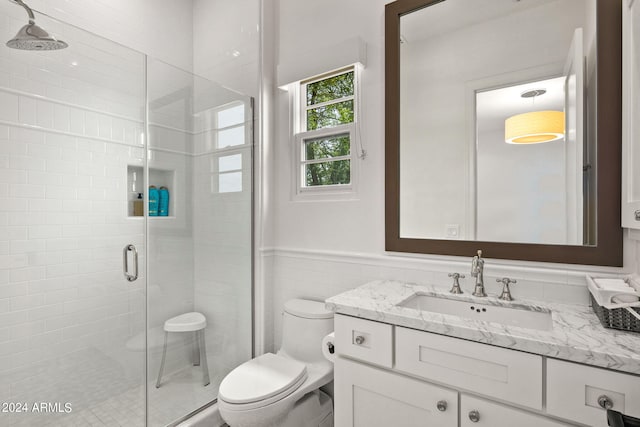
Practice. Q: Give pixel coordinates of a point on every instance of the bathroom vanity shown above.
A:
(403, 362)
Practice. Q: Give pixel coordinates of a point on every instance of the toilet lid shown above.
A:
(262, 378)
(307, 309)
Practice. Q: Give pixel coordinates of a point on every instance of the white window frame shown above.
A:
(245, 124)
(243, 149)
(219, 173)
(298, 101)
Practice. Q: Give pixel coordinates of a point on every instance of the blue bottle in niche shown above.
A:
(154, 200)
(164, 202)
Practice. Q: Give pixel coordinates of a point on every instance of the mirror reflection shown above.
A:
(495, 138)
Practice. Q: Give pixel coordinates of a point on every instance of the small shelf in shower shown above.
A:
(136, 185)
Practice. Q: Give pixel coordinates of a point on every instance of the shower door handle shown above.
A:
(125, 262)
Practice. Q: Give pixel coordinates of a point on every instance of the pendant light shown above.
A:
(534, 127)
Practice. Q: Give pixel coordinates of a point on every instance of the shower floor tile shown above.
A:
(103, 396)
(181, 393)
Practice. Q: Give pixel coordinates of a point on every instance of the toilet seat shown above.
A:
(262, 381)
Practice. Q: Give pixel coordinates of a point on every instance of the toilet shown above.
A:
(282, 389)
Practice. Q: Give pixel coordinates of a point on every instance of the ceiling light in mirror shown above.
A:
(534, 128)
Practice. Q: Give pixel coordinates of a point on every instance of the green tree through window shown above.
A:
(332, 172)
(329, 103)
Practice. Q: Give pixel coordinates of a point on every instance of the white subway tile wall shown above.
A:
(67, 134)
(71, 122)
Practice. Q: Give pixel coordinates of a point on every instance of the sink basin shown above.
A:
(513, 316)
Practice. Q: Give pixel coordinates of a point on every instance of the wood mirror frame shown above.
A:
(608, 250)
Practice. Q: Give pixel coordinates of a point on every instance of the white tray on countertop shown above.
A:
(604, 296)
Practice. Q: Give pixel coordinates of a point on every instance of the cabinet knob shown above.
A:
(474, 416)
(359, 339)
(441, 405)
(605, 402)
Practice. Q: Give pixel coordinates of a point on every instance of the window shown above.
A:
(228, 168)
(326, 133)
(230, 126)
(230, 173)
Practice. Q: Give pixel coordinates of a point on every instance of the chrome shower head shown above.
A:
(32, 37)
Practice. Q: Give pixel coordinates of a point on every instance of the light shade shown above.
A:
(534, 127)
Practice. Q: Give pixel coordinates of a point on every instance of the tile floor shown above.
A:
(102, 394)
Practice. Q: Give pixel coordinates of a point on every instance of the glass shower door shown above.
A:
(72, 326)
(200, 246)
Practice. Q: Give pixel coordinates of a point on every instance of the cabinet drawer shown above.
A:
(492, 371)
(491, 414)
(364, 339)
(573, 391)
(366, 396)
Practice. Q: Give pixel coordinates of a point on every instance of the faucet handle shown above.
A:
(506, 292)
(455, 288)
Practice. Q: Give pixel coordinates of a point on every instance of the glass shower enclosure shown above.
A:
(97, 290)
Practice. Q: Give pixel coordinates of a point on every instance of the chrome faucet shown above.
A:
(477, 271)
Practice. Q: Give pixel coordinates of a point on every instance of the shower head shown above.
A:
(32, 37)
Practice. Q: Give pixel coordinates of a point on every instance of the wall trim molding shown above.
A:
(69, 104)
(560, 273)
(67, 133)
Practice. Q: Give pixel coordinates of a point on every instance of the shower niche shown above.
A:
(137, 186)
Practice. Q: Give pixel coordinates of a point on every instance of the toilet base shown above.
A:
(313, 410)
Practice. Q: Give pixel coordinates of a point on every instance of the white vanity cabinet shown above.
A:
(431, 380)
(369, 397)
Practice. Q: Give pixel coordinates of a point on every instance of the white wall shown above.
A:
(353, 225)
(162, 29)
(226, 43)
(521, 191)
(326, 247)
(345, 225)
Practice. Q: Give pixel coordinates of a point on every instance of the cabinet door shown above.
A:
(370, 397)
(476, 412)
(508, 375)
(631, 114)
(580, 393)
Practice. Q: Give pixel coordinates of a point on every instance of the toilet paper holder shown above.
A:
(331, 347)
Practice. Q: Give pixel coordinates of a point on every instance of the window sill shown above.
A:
(343, 193)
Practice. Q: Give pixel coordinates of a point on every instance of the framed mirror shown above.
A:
(503, 129)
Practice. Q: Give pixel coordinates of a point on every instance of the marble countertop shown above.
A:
(576, 334)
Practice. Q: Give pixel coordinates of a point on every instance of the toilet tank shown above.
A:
(304, 324)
